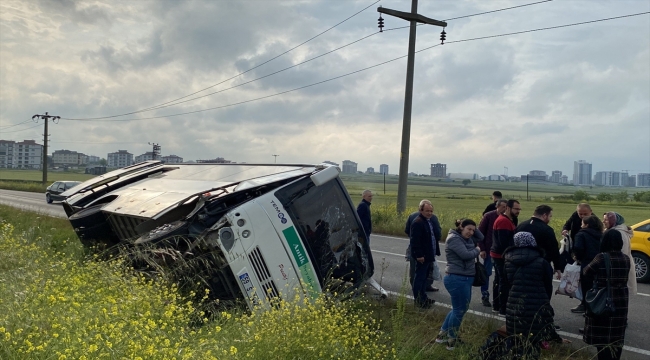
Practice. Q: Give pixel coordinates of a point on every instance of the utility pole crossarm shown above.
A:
(411, 17)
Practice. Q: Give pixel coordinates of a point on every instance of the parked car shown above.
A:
(54, 192)
(641, 250)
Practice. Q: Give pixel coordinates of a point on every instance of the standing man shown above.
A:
(574, 224)
(364, 213)
(422, 250)
(503, 233)
(487, 227)
(544, 236)
(437, 234)
(496, 196)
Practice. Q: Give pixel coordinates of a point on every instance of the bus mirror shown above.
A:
(324, 176)
(227, 238)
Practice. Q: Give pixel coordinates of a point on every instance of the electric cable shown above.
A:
(170, 103)
(12, 125)
(13, 131)
(364, 69)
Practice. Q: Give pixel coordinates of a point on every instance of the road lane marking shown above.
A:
(502, 318)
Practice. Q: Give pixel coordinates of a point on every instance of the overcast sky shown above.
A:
(538, 100)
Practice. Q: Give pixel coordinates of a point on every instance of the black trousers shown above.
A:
(610, 352)
(503, 285)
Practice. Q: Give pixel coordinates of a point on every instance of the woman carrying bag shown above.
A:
(607, 331)
(586, 247)
(461, 252)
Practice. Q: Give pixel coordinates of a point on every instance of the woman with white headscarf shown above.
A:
(613, 220)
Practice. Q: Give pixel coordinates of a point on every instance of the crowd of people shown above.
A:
(525, 257)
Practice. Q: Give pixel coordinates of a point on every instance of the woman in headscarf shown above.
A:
(529, 315)
(585, 248)
(607, 332)
(613, 220)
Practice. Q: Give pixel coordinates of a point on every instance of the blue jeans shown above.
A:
(420, 282)
(485, 288)
(460, 289)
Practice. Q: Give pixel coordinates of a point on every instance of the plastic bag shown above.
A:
(570, 281)
(436, 271)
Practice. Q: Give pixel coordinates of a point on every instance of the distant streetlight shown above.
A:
(275, 158)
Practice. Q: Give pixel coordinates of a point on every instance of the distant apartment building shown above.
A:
(217, 160)
(581, 173)
(631, 181)
(349, 167)
(68, 158)
(608, 178)
(149, 155)
(383, 169)
(119, 159)
(171, 159)
(564, 179)
(535, 175)
(463, 176)
(556, 176)
(495, 177)
(21, 155)
(370, 170)
(439, 170)
(92, 159)
(643, 179)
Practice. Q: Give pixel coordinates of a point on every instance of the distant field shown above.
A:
(36, 175)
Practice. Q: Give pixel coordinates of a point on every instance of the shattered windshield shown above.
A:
(327, 224)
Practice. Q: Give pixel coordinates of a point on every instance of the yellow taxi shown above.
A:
(641, 250)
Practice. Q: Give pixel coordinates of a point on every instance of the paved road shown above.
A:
(388, 253)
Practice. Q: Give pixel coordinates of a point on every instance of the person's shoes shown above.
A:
(557, 327)
(432, 289)
(581, 330)
(486, 302)
(441, 338)
(580, 309)
(452, 343)
(425, 304)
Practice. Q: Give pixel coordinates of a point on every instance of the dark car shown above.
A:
(54, 191)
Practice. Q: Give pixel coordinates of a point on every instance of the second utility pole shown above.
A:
(413, 17)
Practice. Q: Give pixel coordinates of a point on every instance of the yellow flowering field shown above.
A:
(57, 306)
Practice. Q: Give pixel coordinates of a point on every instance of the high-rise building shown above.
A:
(581, 173)
(609, 178)
(631, 181)
(439, 170)
(383, 169)
(556, 176)
(349, 167)
(119, 159)
(21, 155)
(564, 179)
(643, 179)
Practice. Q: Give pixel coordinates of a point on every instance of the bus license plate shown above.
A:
(247, 284)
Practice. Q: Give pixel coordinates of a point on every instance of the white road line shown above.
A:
(499, 317)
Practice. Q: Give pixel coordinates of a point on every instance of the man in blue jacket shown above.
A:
(437, 234)
(364, 212)
(422, 250)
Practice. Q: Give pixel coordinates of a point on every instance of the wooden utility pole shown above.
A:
(413, 17)
(46, 119)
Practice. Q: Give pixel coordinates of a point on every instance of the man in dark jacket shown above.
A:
(573, 225)
(437, 234)
(544, 236)
(503, 233)
(422, 250)
(486, 228)
(496, 196)
(364, 212)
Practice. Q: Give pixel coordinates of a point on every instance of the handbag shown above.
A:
(570, 281)
(600, 301)
(436, 271)
(480, 274)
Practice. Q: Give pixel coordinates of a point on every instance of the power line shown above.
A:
(250, 81)
(13, 131)
(364, 69)
(176, 102)
(171, 102)
(12, 125)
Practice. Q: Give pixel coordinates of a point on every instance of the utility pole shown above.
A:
(413, 17)
(275, 160)
(46, 119)
(156, 151)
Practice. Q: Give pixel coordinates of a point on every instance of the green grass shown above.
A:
(37, 175)
(57, 302)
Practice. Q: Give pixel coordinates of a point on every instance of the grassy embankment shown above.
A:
(57, 301)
